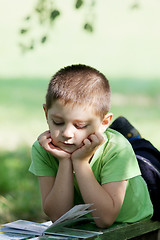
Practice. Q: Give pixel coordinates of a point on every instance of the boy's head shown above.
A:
(77, 105)
(80, 84)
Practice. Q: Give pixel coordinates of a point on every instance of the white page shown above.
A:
(18, 231)
(38, 228)
(32, 228)
(10, 236)
(76, 211)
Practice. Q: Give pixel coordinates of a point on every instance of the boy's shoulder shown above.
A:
(115, 137)
(116, 142)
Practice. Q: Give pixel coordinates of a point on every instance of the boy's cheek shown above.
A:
(80, 145)
(54, 134)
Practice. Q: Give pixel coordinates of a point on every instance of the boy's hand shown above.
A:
(45, 141)
(88, 148)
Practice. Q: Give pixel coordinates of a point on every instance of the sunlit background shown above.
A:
(124, 46)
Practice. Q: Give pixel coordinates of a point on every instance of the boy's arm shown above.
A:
(108, 198)
(57, 192)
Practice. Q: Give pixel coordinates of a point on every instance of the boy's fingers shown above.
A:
(57, 152)
(96, 139)
(87, 142)
(45, 141)
(44, 135)
(100, 137)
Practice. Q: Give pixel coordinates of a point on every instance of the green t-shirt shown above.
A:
(113, 161)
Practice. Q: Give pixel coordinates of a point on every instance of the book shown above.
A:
(62, 228)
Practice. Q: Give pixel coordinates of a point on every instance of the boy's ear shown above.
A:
(106, 121)
(45, 110)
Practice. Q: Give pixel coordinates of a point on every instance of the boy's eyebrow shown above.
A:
(76, 120)
(82, 121)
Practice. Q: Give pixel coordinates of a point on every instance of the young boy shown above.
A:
(79, 160)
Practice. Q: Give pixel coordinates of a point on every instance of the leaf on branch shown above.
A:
(88, 27)
(135, 6)
(31, 47)
(78, 4)
(43, 39)
(23, 47)
(54, 14)
(38, 9)
(23, 31)
(27, 18)
(26, 47)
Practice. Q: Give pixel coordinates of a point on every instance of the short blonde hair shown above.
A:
(80, 84)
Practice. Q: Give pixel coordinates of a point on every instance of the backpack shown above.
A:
(149, 162)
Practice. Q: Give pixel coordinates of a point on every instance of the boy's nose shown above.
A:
(68, 132)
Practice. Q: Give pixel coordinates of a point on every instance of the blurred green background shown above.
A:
(124, 46)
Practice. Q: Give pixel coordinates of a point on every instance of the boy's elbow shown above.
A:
(104, 223)
(48, 213)
(52, 214)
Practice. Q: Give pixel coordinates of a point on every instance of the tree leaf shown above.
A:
(31, 47)
(43, 39)
(27, 18)
(135, 6)
(78, 4)
(23, 31)
(54, 14)
(88, 27)
(38, 9)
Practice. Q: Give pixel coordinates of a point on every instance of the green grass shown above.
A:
(139, 101)
(136, 87)
(20, 196)
(22, 120)
(24, 93)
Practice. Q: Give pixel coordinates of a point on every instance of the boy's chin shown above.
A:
(70, 150)
(67, 150)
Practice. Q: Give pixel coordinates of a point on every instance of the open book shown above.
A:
(58, 228)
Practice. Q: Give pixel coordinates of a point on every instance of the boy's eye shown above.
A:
(57, 123)
(80, 126)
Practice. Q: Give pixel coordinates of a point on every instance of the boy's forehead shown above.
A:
(60, 104)
(79, 111)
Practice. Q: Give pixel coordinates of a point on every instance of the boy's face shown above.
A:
(70, 125)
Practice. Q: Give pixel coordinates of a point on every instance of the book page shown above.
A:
(25, 227)
(75, 212)
(40, 229)
(9, 236)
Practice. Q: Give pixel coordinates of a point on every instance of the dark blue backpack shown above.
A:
(149, 162)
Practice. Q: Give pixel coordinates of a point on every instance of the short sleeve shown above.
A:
(43, 163)
(119, 162)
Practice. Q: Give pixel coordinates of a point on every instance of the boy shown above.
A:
(79, 160)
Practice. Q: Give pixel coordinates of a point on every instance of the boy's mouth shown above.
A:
(67, 144)
(68, 147)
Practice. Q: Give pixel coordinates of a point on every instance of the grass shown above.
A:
(22, 120)
(20, 196)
